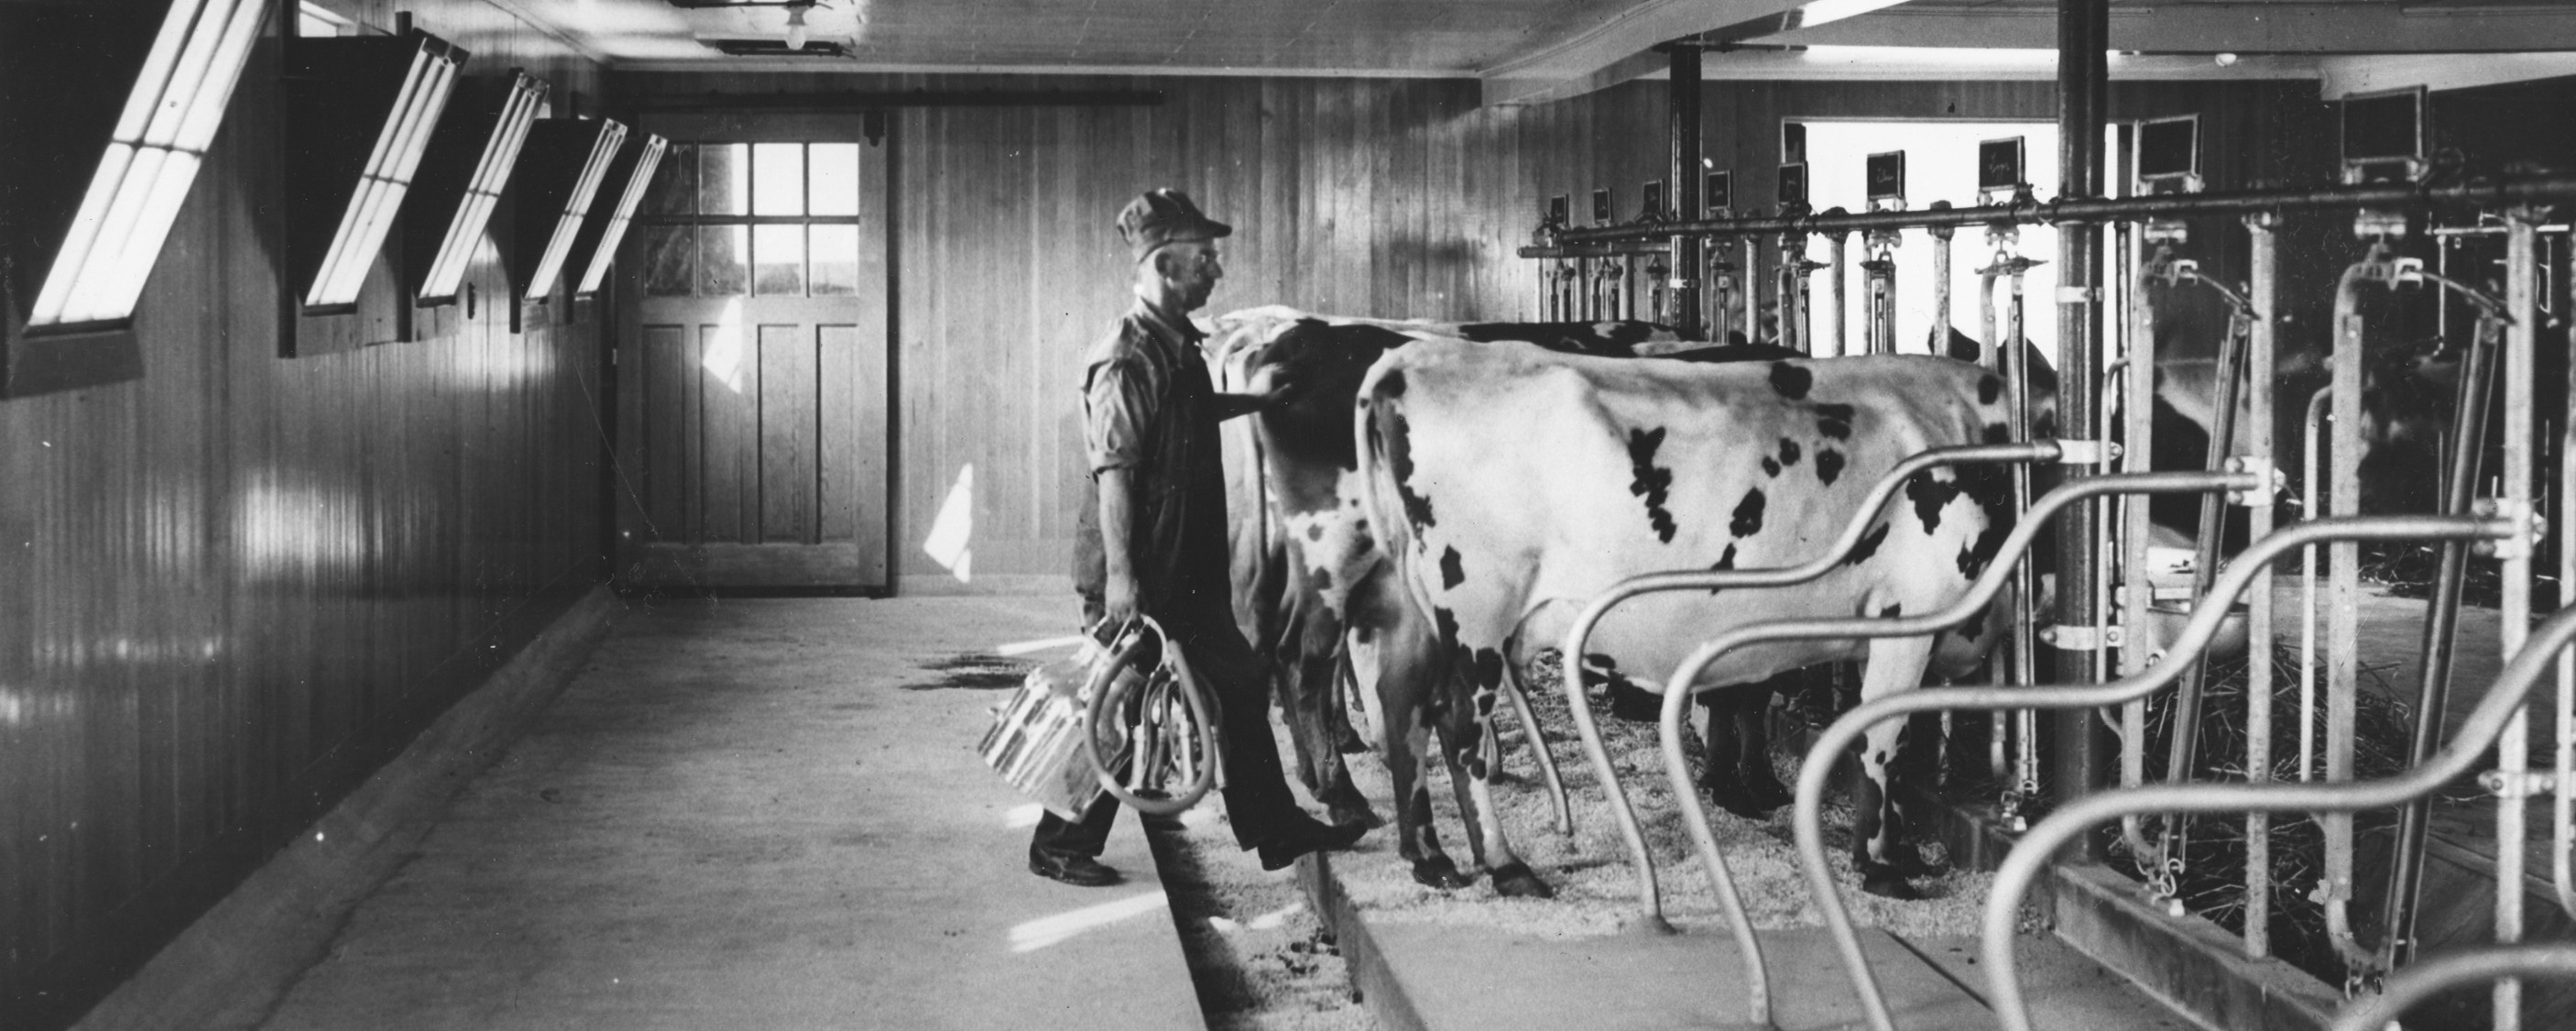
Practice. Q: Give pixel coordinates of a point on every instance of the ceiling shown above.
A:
(1529, 50)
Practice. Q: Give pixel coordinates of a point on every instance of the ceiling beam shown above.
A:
(2212, 28)
(1616, 49)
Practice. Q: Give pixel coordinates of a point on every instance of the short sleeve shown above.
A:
(1119, 404)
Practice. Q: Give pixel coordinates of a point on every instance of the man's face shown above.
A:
(1190, 270)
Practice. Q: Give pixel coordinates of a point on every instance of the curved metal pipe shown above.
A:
(2308, 589)
(2502, 704)
(1649, 899)
(1811, 777)
(2195, 636)
(2434, 976)
(2343, 594)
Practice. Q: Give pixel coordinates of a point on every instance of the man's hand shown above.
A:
(1285, 389)
(1118, 605)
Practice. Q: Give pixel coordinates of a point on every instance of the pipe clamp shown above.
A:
(2273, 481)
(2518, 784)
(2071, 638)
(2086, 452)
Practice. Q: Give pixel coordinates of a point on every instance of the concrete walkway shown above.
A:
(758, 814)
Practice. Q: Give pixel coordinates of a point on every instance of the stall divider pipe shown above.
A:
(1842, 306)
(1649, 899)
(2452, 970)
(2263, 299)
(2312, 483)
(2023, 865)
(1787, 290)
(2025, 599)
(2195, 636)
(2343, 597)
(2441, 622)
(2184, 744)
(1940, 341)
(1751, 276)
(1819, 762)
(2138, 595)
(2513, 748)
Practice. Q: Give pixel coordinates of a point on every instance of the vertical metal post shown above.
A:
(1750, 275)
(2262, 295)
(2083, 77)
(1941, 284)
(1842, 297)
(1685, 192)
(2513, 749)
(2343, 598)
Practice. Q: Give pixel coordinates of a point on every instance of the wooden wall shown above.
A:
(232, 589)
(1380, 197)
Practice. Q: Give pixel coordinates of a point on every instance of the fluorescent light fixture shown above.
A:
(646, 157)
(1820, 12)
(585, 187)
(1947, 57)
(491, 171)
(152, 157)
(387, 174)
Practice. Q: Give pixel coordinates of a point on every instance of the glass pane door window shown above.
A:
(753, 220)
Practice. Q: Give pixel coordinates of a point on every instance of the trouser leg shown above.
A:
(1257, 799)
(1086, 836)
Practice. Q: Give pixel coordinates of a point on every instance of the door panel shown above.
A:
(758, 442)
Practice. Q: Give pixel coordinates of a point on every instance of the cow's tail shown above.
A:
(1378, 426)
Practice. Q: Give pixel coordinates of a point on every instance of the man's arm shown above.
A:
(1117, 514)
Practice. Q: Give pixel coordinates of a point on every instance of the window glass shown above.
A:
(724, 179)
(778, 261)
(724, 268)
(670, 261)
(836, 260)
(836, 179)
(675, 183)
(778, 179)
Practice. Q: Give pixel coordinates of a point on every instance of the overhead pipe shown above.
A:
(1819, 764)
(1649, 898)
(2041, 844)
(2503, 703)
(2500, 192)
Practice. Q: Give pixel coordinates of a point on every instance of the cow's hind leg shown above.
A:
(1474, 749)
(1409, 677)
(1895, 664)
(1730, 750)
(1310, 695)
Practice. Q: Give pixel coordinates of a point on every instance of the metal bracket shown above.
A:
(2274, 480)
(2518, 513)
(2079, 294)
(2522, 784)
(2086, 452)
(2082, 638)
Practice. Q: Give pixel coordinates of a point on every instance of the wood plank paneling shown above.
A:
(789, 385)
(729, 436)
(234, 587)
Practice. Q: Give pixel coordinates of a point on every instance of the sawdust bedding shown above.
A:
(1595, 885)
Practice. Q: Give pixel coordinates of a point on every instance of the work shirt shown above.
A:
(1149, 409)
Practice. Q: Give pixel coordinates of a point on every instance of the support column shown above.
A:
(2082, 750)
(1685, 191)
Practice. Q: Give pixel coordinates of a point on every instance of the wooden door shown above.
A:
(752, 359)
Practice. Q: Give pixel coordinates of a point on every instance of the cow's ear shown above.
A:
(1963, 347)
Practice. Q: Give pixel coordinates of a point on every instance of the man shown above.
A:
(1152, 540)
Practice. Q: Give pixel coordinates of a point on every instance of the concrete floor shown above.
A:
(759, 814)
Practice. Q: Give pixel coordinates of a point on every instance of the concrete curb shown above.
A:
(1378, 988)
(232, 966)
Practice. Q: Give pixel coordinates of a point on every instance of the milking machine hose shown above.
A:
(1108, 692)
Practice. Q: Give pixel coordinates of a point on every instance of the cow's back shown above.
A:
(1511, 479)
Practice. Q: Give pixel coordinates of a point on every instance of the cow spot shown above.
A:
(1930, 496)
(1792, 381)
(1829, 466)
(1989, 387)
(1788, 451)
(1770, 466)
(1748, 514)
(1396, 442)
(1314, 531)
(1891, 612)
(1998, 433)
(1991, 488)
(1868, 545)
(1724, 562)
(1834, 421)
(1451, 572)
(1652, 482)
(1392, 384)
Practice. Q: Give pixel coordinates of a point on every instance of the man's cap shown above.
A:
(1158, 217)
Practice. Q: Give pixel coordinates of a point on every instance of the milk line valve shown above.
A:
(1886, 173)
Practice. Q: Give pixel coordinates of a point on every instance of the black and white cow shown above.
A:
(1511, 483)
(1299, 549)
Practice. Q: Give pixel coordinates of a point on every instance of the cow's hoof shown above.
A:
(1439, 872)
(1885, 882)
(1347, 813)
(1735, 799)
(1767, 791)
(1516, 881)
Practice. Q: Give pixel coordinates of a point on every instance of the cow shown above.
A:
(1297, 557)
(1615, 468)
